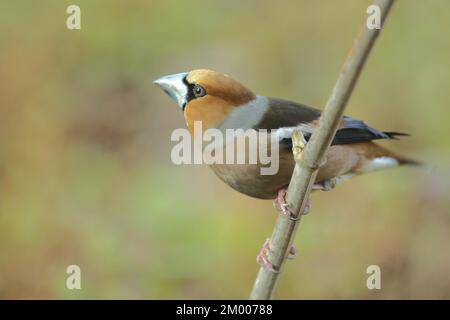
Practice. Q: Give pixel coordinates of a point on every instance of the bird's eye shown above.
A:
(199, 91)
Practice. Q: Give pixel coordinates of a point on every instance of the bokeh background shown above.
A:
(85, 170)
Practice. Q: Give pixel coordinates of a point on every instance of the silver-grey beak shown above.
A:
(175, 87)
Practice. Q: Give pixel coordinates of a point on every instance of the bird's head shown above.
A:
(205, 95)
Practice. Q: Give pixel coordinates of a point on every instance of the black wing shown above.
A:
(288, 114)
(355, 130)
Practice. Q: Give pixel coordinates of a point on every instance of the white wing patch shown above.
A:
(286, 132)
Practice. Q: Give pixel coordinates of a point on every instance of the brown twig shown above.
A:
(309, 159)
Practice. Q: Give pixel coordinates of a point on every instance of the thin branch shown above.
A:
(309, 159)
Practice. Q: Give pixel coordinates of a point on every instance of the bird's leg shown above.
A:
(281, 203)
(326, 185)
(263, 257)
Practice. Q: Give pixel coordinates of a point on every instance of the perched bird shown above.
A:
(219, 101)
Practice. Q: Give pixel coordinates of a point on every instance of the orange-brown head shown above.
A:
(205, 95)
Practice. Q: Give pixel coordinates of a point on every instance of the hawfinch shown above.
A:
(221, 102)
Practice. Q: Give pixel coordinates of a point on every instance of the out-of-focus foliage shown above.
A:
(85, 170)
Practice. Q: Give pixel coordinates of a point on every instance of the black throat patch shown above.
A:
(190, 92)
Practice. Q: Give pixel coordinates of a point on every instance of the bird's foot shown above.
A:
(326, 185)
(263, 257)
(281, 203)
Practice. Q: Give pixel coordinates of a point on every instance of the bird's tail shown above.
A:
(401, 160)
(408, 161)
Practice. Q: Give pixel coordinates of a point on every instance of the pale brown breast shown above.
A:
(247, 178)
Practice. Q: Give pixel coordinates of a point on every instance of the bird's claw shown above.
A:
(281, 203)
(263, 257)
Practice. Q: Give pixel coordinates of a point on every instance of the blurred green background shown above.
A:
(85, 170)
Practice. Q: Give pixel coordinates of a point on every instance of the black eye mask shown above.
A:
(190, 91)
